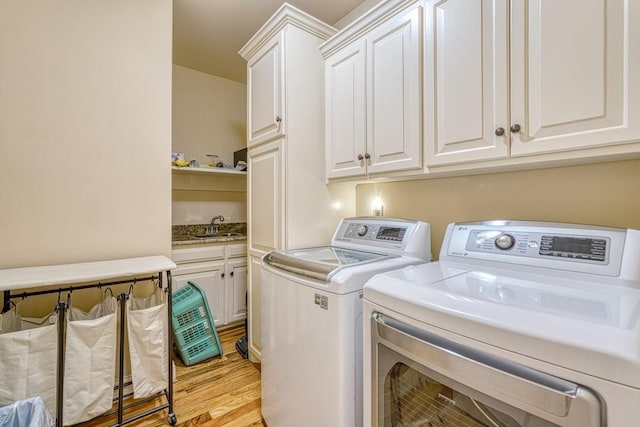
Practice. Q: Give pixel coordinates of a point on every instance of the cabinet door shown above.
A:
(264, 92)
(575, 74)
(265, 191)
(208, 276)
(394, 138)
(465, 84)
(253, 310)
(236, 289)
(345, 112)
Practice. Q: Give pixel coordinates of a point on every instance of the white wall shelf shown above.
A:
(208, 179)
(223, 171)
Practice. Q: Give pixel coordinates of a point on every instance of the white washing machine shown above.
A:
(312, 319)
(519, 324)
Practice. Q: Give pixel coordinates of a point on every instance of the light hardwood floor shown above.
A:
(221, 392)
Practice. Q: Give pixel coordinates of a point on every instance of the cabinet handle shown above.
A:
(515, 128)
(360, 157)
(499, 131)
(231, 274)
(222, 275)
(278, 119)
(367, 156)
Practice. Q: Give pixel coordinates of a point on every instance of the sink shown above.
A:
(229, 234)
(215, 235)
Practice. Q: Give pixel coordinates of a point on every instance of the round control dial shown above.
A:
(505, 241)
(362, 230)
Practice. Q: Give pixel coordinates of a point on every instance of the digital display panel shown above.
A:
(571, 244)
(574, 247)
(390, 233)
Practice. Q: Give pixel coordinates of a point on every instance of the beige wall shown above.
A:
(603, 194)
(209, 115)
(198, 207)
(85, 130)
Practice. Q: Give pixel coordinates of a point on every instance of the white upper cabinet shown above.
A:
(465, 87)
(393, 115)
(264, 88)
(575, 70)
(345, 111)
(524, 78)
(373, 93)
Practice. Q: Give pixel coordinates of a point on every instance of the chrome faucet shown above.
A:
(213, 227)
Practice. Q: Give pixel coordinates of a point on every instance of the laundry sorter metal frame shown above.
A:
(96, 275)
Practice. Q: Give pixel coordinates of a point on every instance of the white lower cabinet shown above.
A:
(255, 324)
(208, 276)
(221, 271)
(236, 278)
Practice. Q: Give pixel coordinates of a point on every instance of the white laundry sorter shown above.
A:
(18, 283)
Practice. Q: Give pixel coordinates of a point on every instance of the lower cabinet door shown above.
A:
(209, 277)
(254, 334)
(236, 289)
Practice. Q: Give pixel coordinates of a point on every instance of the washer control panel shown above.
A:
(372, 231)
(394, 236)
(537, 244)
(570, 247)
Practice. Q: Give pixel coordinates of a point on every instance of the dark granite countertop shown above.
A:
(183, 234)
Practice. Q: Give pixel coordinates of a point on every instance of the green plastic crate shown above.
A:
(189, 304)
(194, 331)
(200, 350)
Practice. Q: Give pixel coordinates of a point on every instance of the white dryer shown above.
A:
(519, 324)
(312, 319)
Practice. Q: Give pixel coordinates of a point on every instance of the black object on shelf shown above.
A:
(240, 155)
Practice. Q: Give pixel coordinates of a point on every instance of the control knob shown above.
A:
(362, 230)
(505, 241)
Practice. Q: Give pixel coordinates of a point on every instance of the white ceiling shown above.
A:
(207, 34)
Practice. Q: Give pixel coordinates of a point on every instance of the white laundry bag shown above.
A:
(10, 321)
(28, 360)
(27, 323)
(90, 361)
(148, 343)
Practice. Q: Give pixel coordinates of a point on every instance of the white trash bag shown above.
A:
(148, 344)
(90, 361)
(29, 412)
(28, 359)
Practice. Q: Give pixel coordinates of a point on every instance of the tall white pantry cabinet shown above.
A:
(289, 203)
